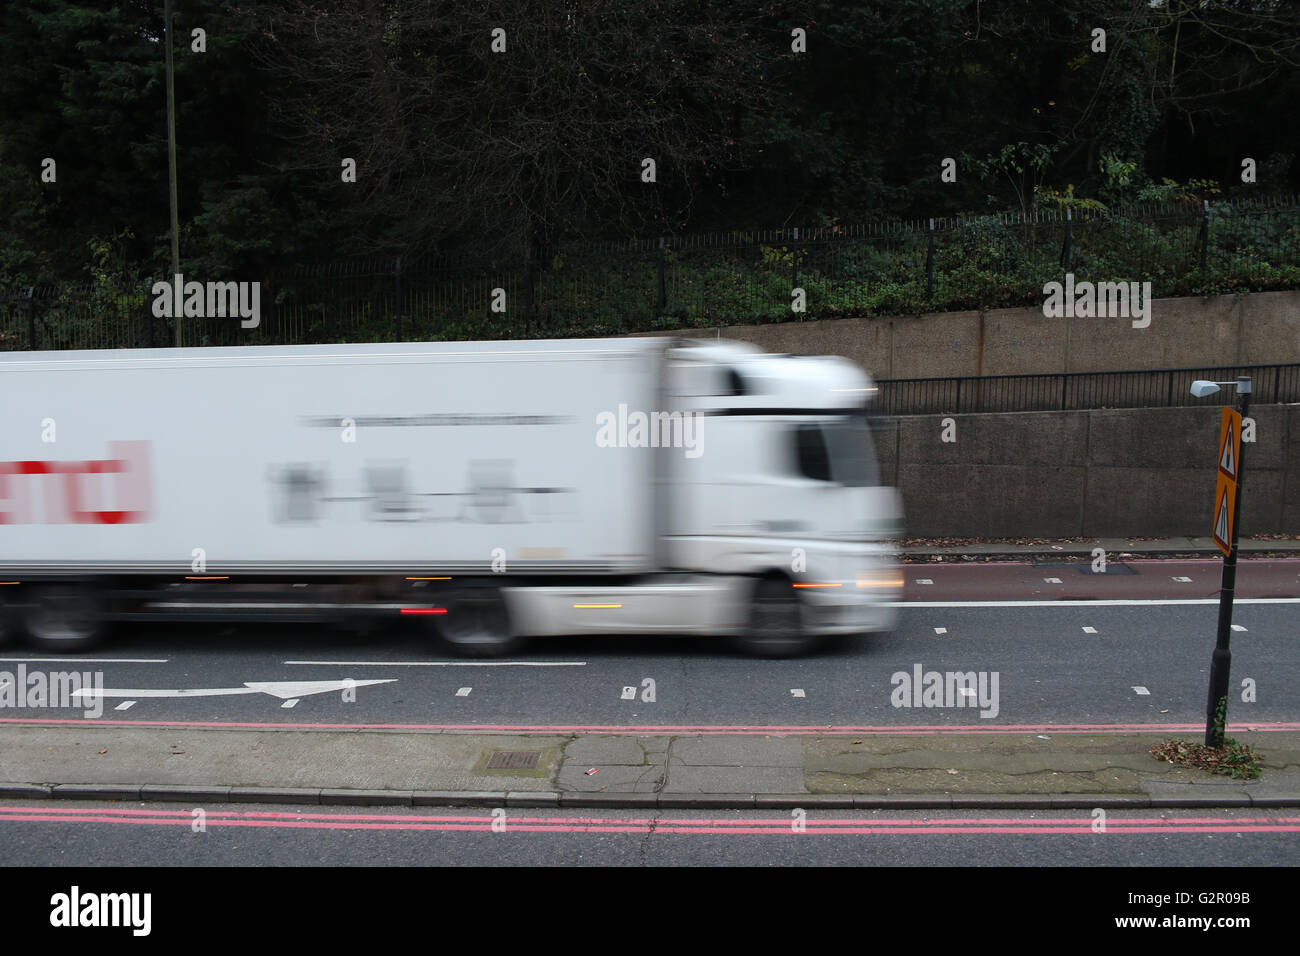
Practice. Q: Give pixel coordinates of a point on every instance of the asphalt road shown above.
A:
(1082, 656)
(121, 835)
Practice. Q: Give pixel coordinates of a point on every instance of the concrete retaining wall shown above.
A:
(1257, 329)
(1110, 472)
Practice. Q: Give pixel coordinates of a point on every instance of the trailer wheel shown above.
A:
(64, 619)
(776, 622)
(8, 626)
(477, 624)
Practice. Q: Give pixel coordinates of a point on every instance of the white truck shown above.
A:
(495, 490)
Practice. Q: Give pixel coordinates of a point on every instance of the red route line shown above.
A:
(674, 827)
(614, 729)
(186, 816)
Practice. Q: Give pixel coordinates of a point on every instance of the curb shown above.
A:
(308, 796)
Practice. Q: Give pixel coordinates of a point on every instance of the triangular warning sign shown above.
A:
(1227, 460)
(1221, 529)
(1225, 500)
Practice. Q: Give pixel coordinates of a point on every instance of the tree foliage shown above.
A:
(460, 149)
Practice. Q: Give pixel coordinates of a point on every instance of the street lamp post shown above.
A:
(1216, 711)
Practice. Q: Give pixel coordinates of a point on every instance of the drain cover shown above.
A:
(514, 760)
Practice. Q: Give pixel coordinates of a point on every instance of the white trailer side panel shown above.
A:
(460, 449)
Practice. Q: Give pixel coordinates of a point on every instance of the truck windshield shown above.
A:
(838, 451)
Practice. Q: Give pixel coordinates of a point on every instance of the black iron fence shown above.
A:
(700, 280)
(1155, 388)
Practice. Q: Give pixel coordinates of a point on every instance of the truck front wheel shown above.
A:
(776, 622)
(64, 619)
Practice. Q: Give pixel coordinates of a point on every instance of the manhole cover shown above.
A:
(514, 760)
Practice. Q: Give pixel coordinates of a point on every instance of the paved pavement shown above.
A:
(792, 767)
(1054, 766)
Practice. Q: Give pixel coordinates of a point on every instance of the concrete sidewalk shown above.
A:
(1034, 769)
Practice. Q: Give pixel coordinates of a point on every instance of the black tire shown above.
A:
(776, 622)
(9, 630)
(477, 624)
(64, 618)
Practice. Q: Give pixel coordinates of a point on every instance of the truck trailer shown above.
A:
(497, 491)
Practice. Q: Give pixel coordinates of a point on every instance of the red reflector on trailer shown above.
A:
(424, 610)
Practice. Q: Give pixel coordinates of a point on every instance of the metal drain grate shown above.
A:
(514, 760)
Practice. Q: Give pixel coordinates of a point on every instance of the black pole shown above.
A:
(31, 317)
(661, 306)
(398, 290)
(528, 287)
(1205, 235)
(1065, 249)
(272, 324)
(148, 311)
(929, 263)
(1216, 710)
(795, 247)
(171, 158)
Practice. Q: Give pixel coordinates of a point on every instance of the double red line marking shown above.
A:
(678, 825)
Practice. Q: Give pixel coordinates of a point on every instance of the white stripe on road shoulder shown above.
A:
(443, 663)
(1117, 602)
(85, 660)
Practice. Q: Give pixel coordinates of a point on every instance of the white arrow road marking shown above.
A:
(285, 689)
